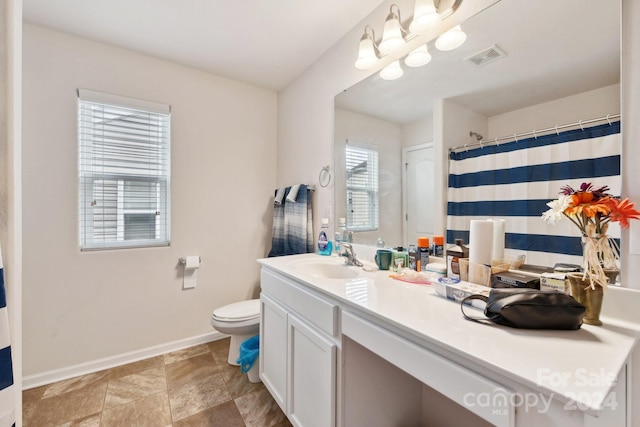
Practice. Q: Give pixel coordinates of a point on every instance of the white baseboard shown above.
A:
(98, 365)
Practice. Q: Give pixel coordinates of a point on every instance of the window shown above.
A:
(124, 168)
(362, 188)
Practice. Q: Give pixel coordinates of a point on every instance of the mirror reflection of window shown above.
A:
(362, 188)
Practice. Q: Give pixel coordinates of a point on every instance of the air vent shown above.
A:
(486, 56)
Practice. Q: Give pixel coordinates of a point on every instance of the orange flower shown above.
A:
(582, 202)
(622, 211)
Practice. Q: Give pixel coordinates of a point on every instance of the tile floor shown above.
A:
(190, 387)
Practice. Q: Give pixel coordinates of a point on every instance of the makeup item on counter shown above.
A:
(555, 282)
(438, 246)
(400, 259)
(413, 257)
(344, 234)
(454, 253)
(512, 279)
(336, 245)
(456, 290)
(423, 253)
(566, 268)
(324, 244)
(439, 270)
(383, 258)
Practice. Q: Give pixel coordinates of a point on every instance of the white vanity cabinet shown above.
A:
(371, 350)
(298, 357)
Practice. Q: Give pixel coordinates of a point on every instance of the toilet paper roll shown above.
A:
(191, 265)
(480, 242)
(192, 262)
(498, 238)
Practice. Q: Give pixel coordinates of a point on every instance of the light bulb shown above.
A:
(391, 34)
(392, 71)
(425, 17)
(367, 56)
(451, 39)
(418, 57)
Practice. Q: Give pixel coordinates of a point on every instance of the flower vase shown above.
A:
(591, 298)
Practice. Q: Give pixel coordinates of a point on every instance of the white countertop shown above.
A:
(571, 365)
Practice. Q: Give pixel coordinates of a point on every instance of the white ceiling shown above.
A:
(552, 52)
(263, 42)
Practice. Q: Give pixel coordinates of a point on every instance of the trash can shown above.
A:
(249, 351)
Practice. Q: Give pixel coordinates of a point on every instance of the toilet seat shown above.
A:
(241, 321)
(238, 312)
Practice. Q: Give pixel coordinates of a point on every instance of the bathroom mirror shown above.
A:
(517, 54)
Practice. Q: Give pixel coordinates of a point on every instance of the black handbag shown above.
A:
(529, 309)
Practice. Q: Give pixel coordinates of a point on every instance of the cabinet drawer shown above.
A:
(321, 313)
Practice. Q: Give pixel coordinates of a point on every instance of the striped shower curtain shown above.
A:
(514, 181)
(7, 404)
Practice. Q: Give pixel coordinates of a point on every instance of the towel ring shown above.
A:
(324, 177)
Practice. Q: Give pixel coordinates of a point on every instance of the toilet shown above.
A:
(241, 320)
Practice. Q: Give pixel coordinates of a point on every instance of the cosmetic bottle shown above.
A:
(423, 253)
(324, 244)
(454, 253)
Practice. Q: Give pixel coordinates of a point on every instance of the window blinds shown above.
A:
(362, 188)
(124, 168)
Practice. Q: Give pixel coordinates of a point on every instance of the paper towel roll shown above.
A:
(191, 265)
(480, 241)
(498, 238)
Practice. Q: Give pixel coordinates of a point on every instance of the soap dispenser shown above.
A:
(324, 244)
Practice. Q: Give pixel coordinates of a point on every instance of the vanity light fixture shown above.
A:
(451, 39)
(427, 14)
(418, 57)
(392, 71)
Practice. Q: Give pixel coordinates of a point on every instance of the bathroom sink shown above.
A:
(325, 269)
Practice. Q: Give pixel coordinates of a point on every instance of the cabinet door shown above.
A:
(312, 376)
(273, 349)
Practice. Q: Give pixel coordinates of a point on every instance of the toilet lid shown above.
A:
(242, 310)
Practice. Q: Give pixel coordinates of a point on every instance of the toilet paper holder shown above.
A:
(183, 260)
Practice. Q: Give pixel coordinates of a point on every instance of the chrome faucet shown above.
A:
(350, 255)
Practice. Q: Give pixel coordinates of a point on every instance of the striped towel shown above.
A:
(7, 397)
(293, 224)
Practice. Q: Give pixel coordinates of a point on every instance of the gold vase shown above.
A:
(582, 292)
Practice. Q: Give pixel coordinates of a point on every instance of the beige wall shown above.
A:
(80, 307)
(588, 105)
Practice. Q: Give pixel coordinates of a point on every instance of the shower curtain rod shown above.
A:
(534, 133)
